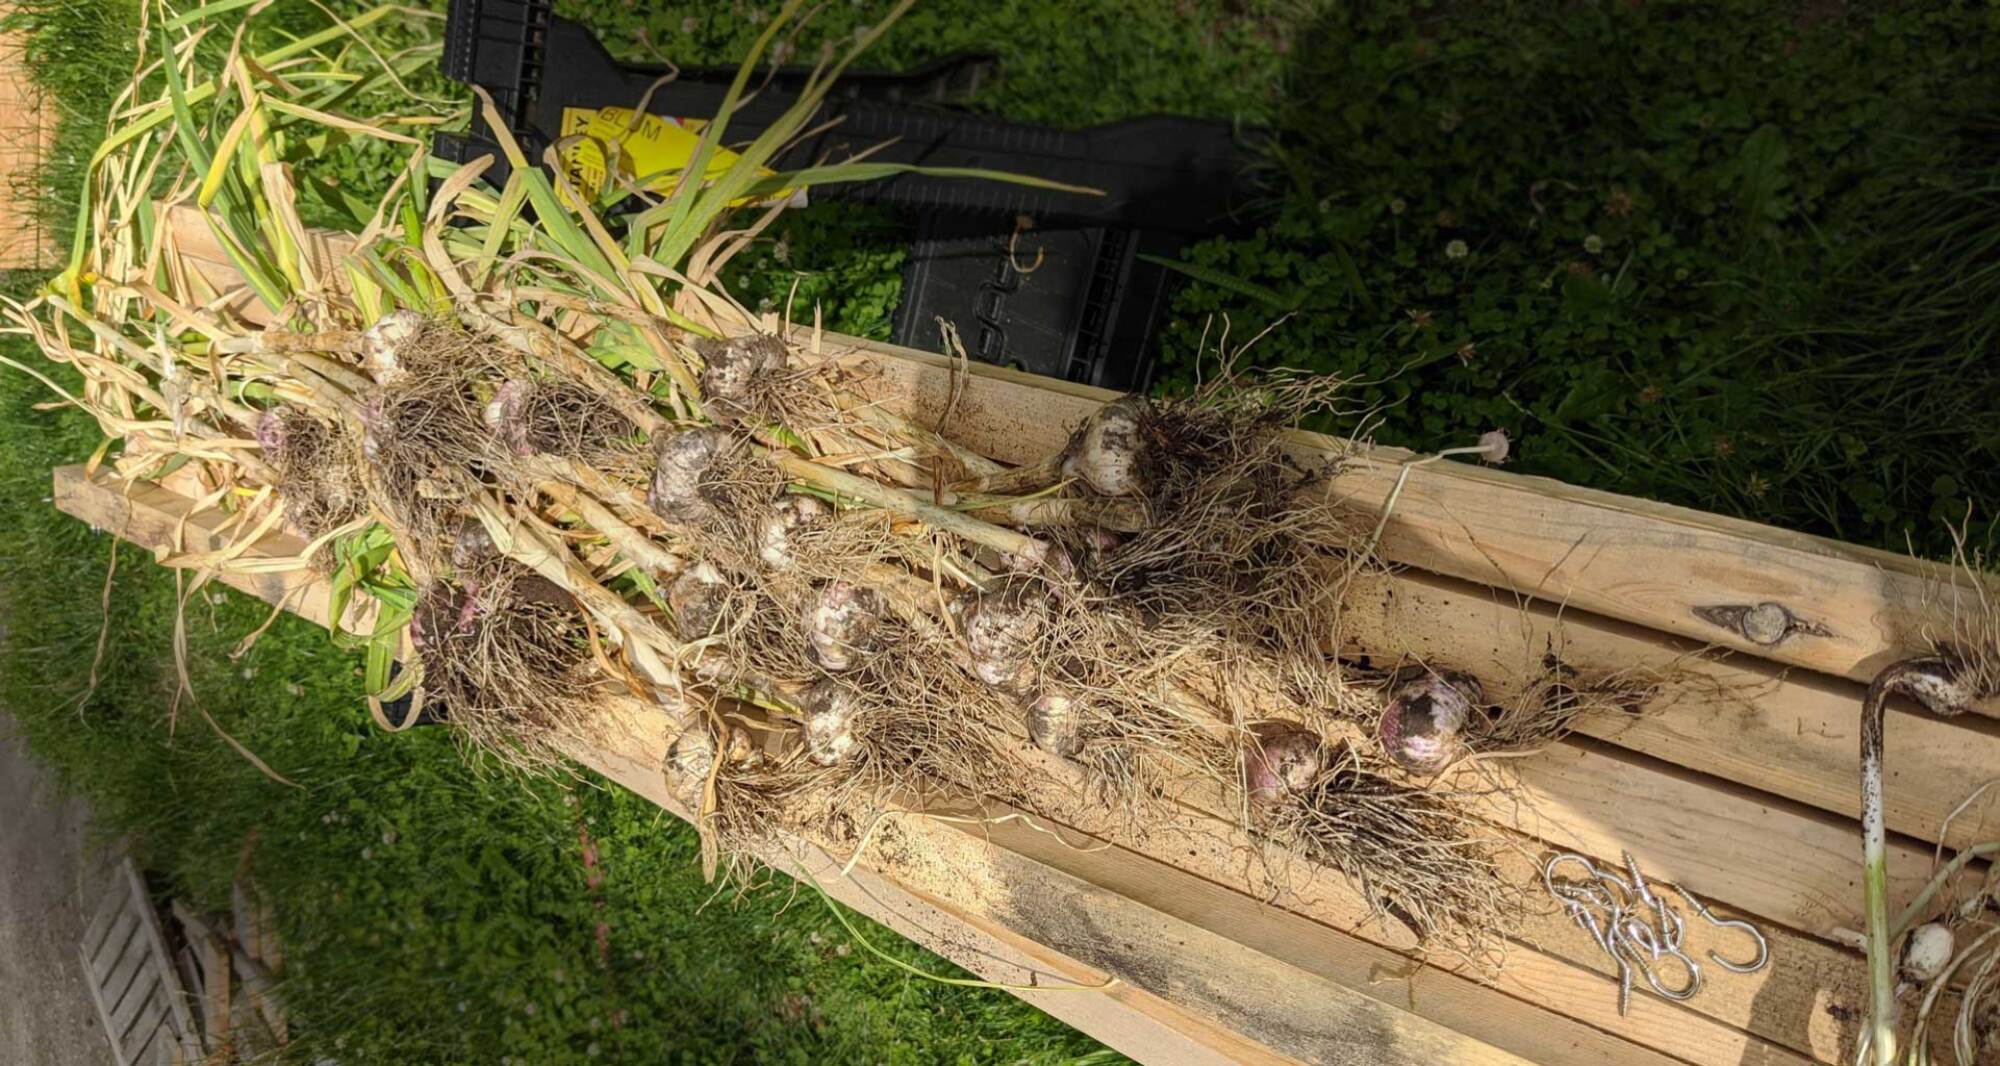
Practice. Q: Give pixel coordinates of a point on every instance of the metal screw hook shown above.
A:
(1685, 992)
(1763, 958)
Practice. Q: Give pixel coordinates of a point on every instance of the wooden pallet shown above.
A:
(139, 996)
(1744, 789)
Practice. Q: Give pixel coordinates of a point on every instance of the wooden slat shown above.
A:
(258, 988)
(255, 925)
(1858, 608)
(182, 1019)
(1042, 909)
(88, 498)
(1744, 848)
(138, 512)
(1761, 1017)
(101, 920)
(145, 1024)
(103, 1009)
(1589, 549)
(213, 954)
(113, 948)
(127, 979)
(1734, 717)
(1458, 1001)
(144, 993)
(27, 131)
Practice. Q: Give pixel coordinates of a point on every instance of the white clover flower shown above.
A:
(1397, 206)
(1593, 244)
(1496, 444)
(1456, 250)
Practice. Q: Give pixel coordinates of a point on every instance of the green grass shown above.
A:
(1720, 254)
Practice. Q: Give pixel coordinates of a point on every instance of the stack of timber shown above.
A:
(1743, 788)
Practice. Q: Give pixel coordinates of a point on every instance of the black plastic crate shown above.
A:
(1087, 313)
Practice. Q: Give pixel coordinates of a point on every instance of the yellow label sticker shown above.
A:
(650, 152)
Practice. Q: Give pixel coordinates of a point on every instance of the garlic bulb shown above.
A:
(731, 369)
(1423, 727)
(684, 466)
(842, 625)
(1105, 454)
(1053, 724)
(830, 708)
(697, 599)
(690, 759)
(1001, 629)
(1281, 760)
(788, 515)
(382, 344)
(1926, 953)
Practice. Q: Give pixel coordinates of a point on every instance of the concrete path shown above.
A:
(46, 1017)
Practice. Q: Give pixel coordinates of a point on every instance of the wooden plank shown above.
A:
(212, 953)
(149, 1052)
(256, 925)
(1561, 984)
(214, 993)
(113, 948)
(1735, 717)
(103, 1009)
(100, 925)
(129, 979)
(258, 988)
(147, 1022)
(161, 958)
(1550, 1038)
(1745, 848)
(1797, 1003)
(1088, 1012)
(145, 994)
(1857, 609)
(1076, 932)
(145, 513)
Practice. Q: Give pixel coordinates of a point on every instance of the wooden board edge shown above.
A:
(1141, 1021)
